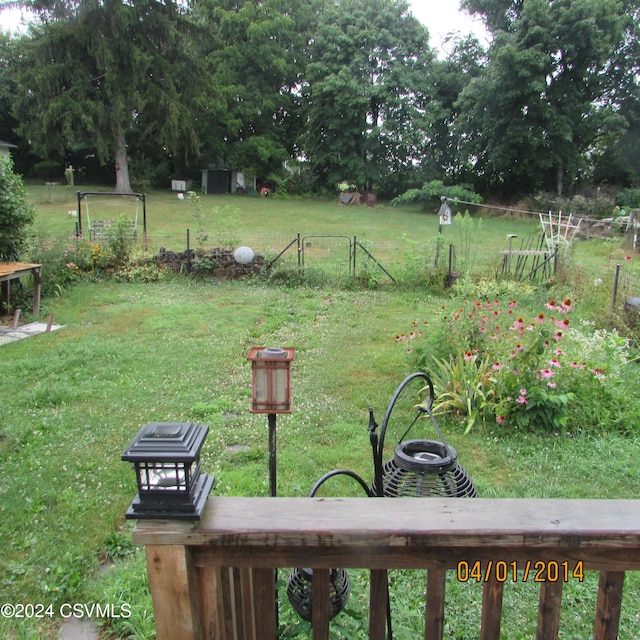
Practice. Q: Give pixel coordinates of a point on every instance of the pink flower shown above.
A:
(558, 335)
(553, 385)
(566, 305)
(401, 337)
(412, 335)
(512, 304)
(559, 352)
(551, 305)
(540, 318)
(546, 373)
(519, 347)
(563, 324)
(523, 392)
(627, 258)
(522, 400)
(500, 419)
(468, 355)
(497, 366)
(554, 363)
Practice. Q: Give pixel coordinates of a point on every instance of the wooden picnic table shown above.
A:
(12, 270)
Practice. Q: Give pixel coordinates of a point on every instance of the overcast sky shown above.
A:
(442, 17)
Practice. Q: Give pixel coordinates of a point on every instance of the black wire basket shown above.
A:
(425, 468)
(300, 587)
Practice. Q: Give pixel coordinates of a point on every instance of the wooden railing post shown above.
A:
(549, 610)
(491, 609)
(608, 607)
(434, 614)
(378, 604)
(174, 586)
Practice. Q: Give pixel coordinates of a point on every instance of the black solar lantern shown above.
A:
(166, 458)
(418, 468)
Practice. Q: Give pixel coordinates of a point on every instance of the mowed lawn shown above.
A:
(175, 350)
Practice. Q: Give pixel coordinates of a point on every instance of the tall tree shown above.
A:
(252, 54)
(90, 71)
(541, 108)
(367, 92)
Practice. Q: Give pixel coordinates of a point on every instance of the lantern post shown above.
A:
(271, 385)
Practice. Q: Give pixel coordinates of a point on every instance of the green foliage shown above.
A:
(99, 72)
(120, 240)
(16, 214)
(541, 102)
(432, 193)
(464, 385)
(489, 363)
(366, 97)
(629, 198)
(48, 170)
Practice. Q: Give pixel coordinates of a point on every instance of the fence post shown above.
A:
(615, 288)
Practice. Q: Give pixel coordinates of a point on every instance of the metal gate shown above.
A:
(333, 255)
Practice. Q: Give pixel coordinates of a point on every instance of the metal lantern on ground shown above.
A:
(300, 587)
(420, 468)
(166, 458)
(300, 583)
(271, 384)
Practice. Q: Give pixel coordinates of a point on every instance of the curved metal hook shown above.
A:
(343, 472)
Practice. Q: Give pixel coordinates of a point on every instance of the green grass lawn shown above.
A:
(175, 350)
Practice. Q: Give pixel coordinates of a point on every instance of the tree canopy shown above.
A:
(349, 89)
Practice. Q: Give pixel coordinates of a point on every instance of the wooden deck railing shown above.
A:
(216, 579)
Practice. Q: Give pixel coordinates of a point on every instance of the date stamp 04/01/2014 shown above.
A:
(529, 571)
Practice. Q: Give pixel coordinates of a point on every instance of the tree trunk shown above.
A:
(122, 167)
(560, 179)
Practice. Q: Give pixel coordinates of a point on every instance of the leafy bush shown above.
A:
(16, 215)
(490, 362)
(431, 193)
(629, 198)
(67, 260)
(48, 170)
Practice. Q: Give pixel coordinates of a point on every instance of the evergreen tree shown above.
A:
(90, 72)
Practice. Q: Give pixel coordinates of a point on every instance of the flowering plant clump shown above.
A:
(492, 362)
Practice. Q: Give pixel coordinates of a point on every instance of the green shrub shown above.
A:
(48, 170)
(16, 215)
(493, 362)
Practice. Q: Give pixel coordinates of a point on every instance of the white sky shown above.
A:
(444, 16)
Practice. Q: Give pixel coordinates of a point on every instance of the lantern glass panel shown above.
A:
(164, 476)
(271, 379)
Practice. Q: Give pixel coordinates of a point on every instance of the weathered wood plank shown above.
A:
(173, 582)
(549, 610)
(609, 604)
(491, 608)
(265, 603)
(321, 604)
(443, 522)
(434, 610)
(378, 604)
